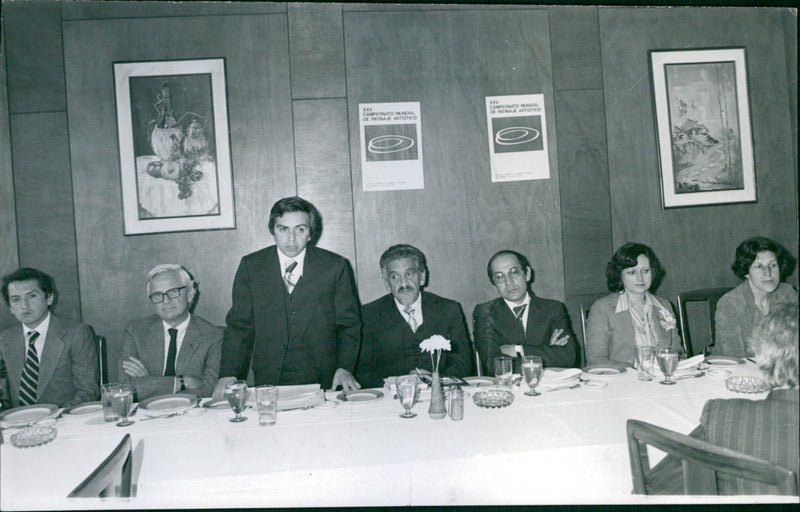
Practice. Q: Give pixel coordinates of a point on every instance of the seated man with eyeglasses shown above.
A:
(171, 350)
(518, 317)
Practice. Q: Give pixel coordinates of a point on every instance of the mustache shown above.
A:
(406, 289)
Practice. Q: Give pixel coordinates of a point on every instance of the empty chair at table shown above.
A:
(113, 477)
(762, 264)
(632, 315)
(766, 429)
(173, 349)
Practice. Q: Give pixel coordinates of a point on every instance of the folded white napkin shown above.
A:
(389, 383)
(691, 363)
(560, 375)
(295, 397)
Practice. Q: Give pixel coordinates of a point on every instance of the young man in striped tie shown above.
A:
(48, 359)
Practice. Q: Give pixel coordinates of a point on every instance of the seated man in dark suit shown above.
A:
(766, 429)
(48, 359)
(518, 317)
(395, 324)
(171, 350)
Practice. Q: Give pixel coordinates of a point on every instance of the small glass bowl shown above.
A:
(33, 436)
(746, 384)
(493, 398)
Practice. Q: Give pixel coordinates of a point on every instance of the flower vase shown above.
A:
(437, 409)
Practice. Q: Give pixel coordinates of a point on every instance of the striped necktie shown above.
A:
(30, 373)
(288, 277)
(518, 312)
(411, 320)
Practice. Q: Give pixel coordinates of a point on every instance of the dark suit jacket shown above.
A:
(322, 315)
(198, 357)
(495, 325)
(766, 429)
(389, 346)
(67, 364)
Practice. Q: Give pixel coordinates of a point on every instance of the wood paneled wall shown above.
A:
(696, 245)
(295, 76)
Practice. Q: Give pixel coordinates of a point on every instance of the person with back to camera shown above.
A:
(763, 264)
(632, 315)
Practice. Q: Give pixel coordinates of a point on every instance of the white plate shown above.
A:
(167, 404)
(218, 404)
(605, 370)
(26, 414)
(560, 375)
(85, 409)
(361, 395)
(480, 382)
(724, 361)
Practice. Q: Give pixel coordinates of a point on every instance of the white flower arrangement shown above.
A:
(435, 343)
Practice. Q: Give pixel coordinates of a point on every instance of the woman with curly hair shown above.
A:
(763, 264)
(631, 315)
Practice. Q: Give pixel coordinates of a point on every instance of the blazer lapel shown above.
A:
(507, 324)
(188, 347)
(307, 289)
(53, 347)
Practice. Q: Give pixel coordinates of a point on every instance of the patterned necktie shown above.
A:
(287, 276)
(169, 371)
(30, 373)
(518, 312)
(411, 320)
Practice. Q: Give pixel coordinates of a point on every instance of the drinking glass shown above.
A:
(236, 394)
(532, 373)
(502, 370)
(407, 387)
(644, 361)
(105, 398)
(668, 362)
(267, 405)
(122, 402)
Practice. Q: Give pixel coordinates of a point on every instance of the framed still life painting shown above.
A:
(175, 161)
(702, 112)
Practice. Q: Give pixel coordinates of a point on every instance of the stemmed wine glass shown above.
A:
(122, 402)
(532, 373)
(236, 394)
(668, 362)
(407, 387)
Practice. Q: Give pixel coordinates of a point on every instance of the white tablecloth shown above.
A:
(565, 446)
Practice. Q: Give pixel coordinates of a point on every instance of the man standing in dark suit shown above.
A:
(518, 317)
(48, 359)
(295, 315)
(395, 324)
(172, 350)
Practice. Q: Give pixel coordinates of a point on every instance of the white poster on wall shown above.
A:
(391, 146)
(517, 137)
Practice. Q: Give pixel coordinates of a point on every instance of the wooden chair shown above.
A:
(117, 467)
(701, 461)
(102, 359)
(710, 295)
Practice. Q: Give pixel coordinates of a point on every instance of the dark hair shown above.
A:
(748, 250)
(45, 282)
(626, 257)
(523, 261)
(297, 204)
(403, 251)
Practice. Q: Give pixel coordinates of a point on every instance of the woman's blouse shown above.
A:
(614, 328)
(737, 315)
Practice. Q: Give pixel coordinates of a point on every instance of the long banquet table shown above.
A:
(566, 446)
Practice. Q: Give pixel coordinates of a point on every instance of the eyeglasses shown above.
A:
(513, 273)
(158, 297)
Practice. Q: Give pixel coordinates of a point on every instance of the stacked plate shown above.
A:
(553, 378)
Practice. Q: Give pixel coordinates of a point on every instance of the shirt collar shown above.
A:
(181, 326)
(624, 302)
(417, 305)
(41, 328)
(300, 259)
(526, 301)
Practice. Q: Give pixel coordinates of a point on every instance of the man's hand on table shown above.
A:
(219, 389)
(345, 379)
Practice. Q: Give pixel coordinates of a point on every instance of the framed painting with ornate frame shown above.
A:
(703, 129)
(174, 151)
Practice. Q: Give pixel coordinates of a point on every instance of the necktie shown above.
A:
(288, 277)
(411, 320)
(518, 312)
(30, 373)
(169, 371)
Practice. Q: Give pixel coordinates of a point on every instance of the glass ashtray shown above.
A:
(33, 436)
(493, 398)
(746, 384)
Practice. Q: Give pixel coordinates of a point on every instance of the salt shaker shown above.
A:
(456, 403)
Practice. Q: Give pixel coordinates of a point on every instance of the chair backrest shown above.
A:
(701, 461)
(478, 367)
(102, 359)
(584, 316)
(710, 295)
(118, 466)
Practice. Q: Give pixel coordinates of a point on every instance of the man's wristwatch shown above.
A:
(183, 382)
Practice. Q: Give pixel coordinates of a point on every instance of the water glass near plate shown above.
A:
(532, 370)
(502, 371)
(267, 404)
(236, 394)
(645, 362)
(407, 387)
(122, 403)
(105, 398)
(668, 362)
